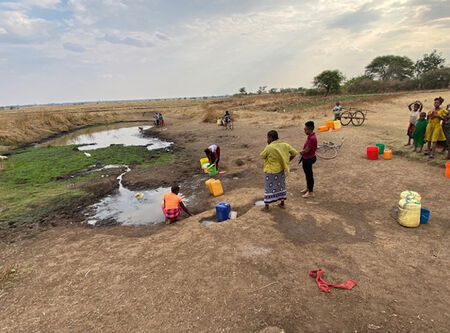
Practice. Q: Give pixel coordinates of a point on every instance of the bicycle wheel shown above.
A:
(326, 152)
(346, 118)
(358, 118)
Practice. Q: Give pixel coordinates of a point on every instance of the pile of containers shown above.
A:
(334, 125)
(410, 211)
(378, 149)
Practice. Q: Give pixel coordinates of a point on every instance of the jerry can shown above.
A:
(223, 210)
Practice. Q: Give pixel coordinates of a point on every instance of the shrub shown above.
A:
(436, 79)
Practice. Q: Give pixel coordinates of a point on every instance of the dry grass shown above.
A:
(7, 274)
(32, 124)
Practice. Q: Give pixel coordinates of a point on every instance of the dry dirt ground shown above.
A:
(247, 274)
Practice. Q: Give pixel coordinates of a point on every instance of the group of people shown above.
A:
(432, 127)
(159, 120)
(277, 156)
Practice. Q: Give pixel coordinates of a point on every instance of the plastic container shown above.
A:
(410, 195)
(203, 161)
(409, 214)
(387, 154)
(205, 167)
(223, 210)
(447, 170)
(337, 125)
(212, 171)
(424, 215)
(208, 184)
(216, 188)
(219, 122)
(323, 128)
(372, 153)
(233, 215)
(329, 124)
(381, 147)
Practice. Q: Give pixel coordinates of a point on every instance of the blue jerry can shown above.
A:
(223, 210)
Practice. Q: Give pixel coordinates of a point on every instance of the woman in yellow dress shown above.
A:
(434, 132)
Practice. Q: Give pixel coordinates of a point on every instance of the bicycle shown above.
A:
(329, 150)
(354, 116)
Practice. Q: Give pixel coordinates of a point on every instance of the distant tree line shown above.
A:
(383, 74)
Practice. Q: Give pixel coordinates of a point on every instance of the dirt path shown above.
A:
(247, 274)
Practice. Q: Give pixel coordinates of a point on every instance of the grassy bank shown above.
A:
(38, 181)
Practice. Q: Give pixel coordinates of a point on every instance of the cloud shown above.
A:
(356, 21)
(73, 47)
(118, 49)
(161, 36)
(115, 39)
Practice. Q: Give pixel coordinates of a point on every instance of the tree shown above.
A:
(242, 91)
(262, 90)
(428, 63)
(330, 80)
(273, 90)
(436, 79)
(390, 67)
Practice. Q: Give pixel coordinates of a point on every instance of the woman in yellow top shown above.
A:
(434, 132)
(276, 156)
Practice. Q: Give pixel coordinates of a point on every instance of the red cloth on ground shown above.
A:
(323, 285)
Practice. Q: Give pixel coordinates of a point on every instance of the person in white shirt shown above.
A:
(337, 110)
(414, 113)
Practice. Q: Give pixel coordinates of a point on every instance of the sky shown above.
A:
(54, 51)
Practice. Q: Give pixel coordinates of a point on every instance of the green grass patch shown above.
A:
(29, 190)
(334, 99)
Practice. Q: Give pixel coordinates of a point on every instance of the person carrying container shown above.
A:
(173, 204)
(213, 154)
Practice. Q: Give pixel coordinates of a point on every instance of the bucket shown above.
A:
(205, 167)
(372, 153)
(447, 170)
(212, 171)
(380, 148)
(387, 154)
(203, 161)
(424, 215)
(323, 128)
(409, 214)
(410, 195)
(329, 124)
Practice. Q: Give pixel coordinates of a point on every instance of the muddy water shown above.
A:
(104, 136)
(129, 207)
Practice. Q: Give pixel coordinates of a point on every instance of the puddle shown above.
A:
(207, 223)
(105, 136)
(259, 203)
(129, 207)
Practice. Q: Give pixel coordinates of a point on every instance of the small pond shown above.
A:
(127, 134)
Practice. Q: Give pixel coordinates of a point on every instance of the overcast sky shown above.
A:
(89, 50)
